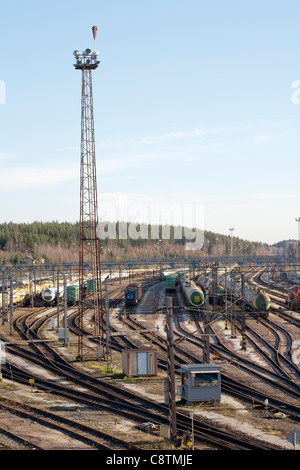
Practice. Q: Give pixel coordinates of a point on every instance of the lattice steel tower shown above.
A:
(91, 336)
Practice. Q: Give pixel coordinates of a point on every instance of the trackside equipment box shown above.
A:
(200, 382)
(139, 362)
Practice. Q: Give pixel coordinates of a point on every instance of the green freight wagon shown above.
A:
(72, 293)
(171, 282)
(92, 284)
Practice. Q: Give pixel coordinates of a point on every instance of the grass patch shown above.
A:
(8, 387)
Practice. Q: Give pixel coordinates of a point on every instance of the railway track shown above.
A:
(281, 364)
(278, 296)
(247, 393)
(235, 388)
(183, 354)
(207, 433)
(104, 395)
(281, 360)
(78, 434)
(282, 334)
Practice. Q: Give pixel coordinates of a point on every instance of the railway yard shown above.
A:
(50, 400)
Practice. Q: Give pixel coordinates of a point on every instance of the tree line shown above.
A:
(59, 241)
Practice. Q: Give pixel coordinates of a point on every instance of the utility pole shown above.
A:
(90, 289)
(226, 300)
(214, 273)
(11, 303)
(206, 350)
(57, 299)
(66, 331)
(233, 306)
(108, 342)
(244, 347)
(171, 370)
(207, 342)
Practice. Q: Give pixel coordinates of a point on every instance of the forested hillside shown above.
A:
(58, 241)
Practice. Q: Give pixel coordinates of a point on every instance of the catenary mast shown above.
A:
(90, 347)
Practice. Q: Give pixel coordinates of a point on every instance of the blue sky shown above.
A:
(193, 111)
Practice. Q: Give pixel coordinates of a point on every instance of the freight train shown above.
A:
(192, 293)
(254, 300)
(217, 292)
(133, 294)
(49, 294)
(21, 295)
(171, 279)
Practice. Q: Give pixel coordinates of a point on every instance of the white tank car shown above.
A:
(49, 294)
(254, 300)
(206, 282)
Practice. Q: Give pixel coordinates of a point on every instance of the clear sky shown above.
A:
(194, 111)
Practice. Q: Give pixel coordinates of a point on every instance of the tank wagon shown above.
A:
(19, 297)
(192, 293)
(206, 283)
(133, 293)
(21, 293)
(49, 294)
(166, 273)
(255, 300)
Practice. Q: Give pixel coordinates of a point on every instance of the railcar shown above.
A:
(254, 300)
(171, 282)
(91, 285)
(257, 300)
(166, 273)
(49, 294)
(293, 299)
(21, 293)
(133, 293)
(192, 293)
(19, 296)
(73, 294)
(217, 291)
